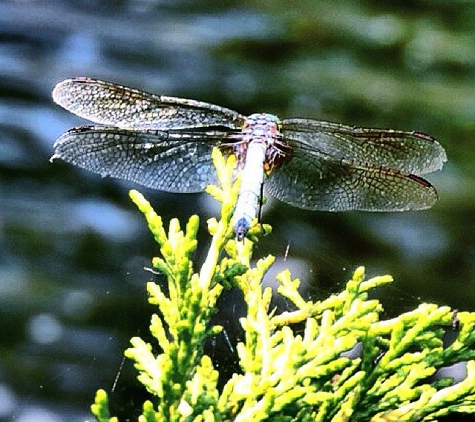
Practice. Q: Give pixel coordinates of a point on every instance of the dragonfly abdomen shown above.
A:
(252, 177)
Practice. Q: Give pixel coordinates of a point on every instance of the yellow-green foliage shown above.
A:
(312, 376)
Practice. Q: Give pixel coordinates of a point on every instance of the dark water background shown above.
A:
(73, 247)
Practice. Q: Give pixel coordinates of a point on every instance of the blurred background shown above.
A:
(73, 246)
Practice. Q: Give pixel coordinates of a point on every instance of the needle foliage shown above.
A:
(348, 363)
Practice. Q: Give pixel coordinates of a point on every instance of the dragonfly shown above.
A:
(165, 143)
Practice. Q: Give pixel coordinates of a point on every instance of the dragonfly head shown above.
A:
(268, 122)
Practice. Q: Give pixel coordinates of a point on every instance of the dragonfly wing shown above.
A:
(116, 105)
(172, 162)
(408, 152)
(319, 183)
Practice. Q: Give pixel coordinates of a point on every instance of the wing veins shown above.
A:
(409, 152)
(149, 157)
(116, 105)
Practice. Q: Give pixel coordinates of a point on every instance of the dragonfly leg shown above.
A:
(259, 211)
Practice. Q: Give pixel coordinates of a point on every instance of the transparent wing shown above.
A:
(168, 161)
(115, 105)
(408, 152)
(313, 181)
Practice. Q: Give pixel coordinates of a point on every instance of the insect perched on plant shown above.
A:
(165, 143)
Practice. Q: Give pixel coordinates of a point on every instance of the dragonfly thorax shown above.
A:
(262, 128)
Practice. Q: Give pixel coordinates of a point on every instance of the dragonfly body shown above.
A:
(258, 152)
(165, 143)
